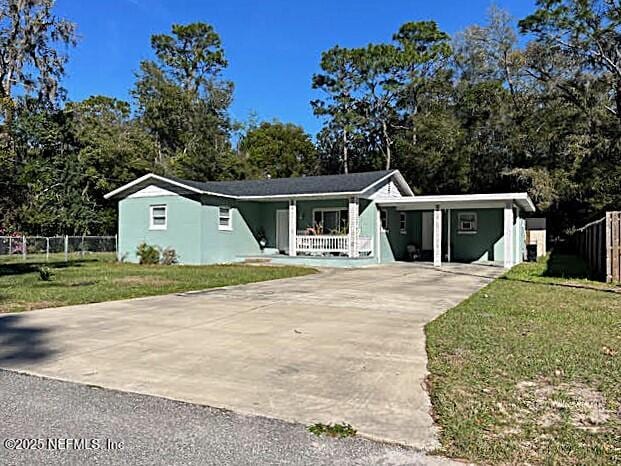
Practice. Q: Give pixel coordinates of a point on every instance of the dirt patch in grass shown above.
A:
(551, 404)
(137, 280)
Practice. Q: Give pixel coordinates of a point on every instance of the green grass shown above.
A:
(342, 430)
(528, 370)
(97, 278)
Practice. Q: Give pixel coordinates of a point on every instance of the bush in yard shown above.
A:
(45, 274)
(148, 254)
(169, 257)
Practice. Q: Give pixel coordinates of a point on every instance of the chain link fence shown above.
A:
(54, 247)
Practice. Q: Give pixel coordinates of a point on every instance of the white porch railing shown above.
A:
(322, 244)
(330, 244)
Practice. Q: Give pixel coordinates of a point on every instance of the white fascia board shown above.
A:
(163, 180)
(521, 199)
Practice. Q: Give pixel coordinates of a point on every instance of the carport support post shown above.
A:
(437, 236)
(508, 235)
(353, 227)
(293, 215)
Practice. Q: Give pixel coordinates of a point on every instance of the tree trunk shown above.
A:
(618, 99)
(345, 153)
(414, 113)
(387, 142)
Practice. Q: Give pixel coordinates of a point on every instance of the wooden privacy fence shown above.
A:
(599, 243)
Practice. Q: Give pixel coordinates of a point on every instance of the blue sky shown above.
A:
(273, 46)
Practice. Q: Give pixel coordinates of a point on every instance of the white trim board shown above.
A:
(460, 201)
(164, 180)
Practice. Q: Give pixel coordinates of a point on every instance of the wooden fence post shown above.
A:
(47, 249)
(24, 247)
(66, 248)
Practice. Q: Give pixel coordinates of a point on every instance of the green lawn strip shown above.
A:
(100, 278)
(529, 371)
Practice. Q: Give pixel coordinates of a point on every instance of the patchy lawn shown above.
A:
(97, 278)
(528, 370)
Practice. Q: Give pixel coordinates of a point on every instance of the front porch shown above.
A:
(326, 229)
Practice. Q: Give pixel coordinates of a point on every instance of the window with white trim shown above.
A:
(224, 218)
(384, 219)
(157, 217)
(467, 223)
(403, 223)
(330, 220)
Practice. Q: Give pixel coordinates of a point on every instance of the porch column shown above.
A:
(377, 248)
(508, 235)
(353, 227)
(437, 236)
(293, 215)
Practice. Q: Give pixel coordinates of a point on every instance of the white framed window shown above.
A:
(158, 217)
(467, 223)
(384, 219)
(403, 223)
(225, 222)
(331, 219)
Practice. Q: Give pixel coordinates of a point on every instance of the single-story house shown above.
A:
(334, 220)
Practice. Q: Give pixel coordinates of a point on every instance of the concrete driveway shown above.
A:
(339, 346)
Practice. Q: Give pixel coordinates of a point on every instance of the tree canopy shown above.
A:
(505, 105)
(278, 150)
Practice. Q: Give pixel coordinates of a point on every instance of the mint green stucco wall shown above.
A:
(221, 246)
(394, 243)
(183, 232)
(192, 228)
(487, 244)
(367, 218)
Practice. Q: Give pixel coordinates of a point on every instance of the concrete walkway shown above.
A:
(339, 346)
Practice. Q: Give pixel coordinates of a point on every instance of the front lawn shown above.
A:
(528, 370)
(99, 278)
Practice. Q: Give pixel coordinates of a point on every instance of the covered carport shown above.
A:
(479, 227)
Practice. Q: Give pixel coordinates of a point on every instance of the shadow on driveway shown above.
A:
(22, 344)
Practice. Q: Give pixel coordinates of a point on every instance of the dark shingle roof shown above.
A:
(333, 184)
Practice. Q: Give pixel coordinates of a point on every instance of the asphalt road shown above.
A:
(159, 431)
